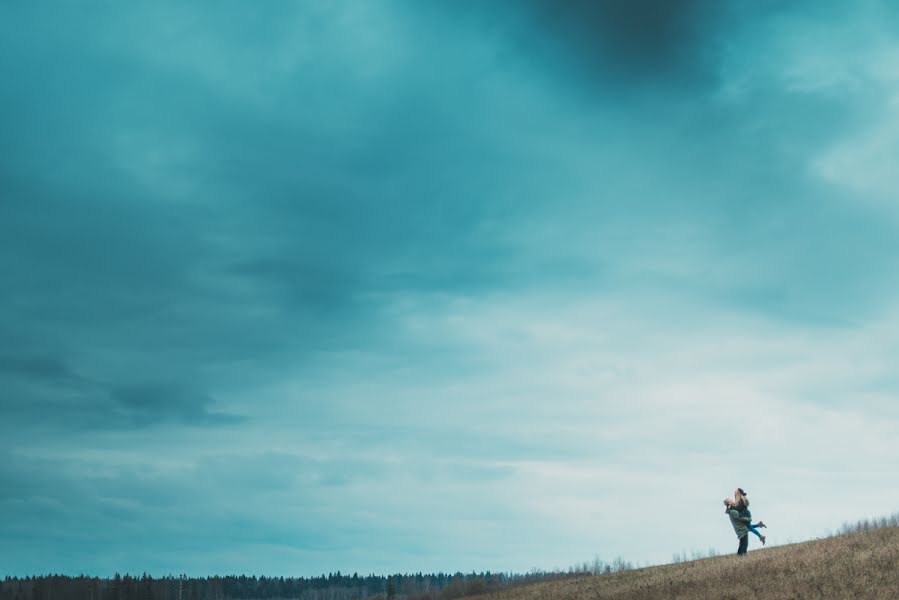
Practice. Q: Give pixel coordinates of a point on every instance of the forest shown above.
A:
(334, 586)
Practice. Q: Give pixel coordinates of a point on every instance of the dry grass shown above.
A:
(858, 565)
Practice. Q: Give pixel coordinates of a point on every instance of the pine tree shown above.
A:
(391, 588)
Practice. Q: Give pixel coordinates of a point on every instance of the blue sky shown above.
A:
(291, 288)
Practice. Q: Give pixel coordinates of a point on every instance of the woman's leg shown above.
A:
(753, 529)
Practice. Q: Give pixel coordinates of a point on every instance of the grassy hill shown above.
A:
(857, 565)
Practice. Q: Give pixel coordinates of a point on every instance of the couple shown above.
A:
(740, 517)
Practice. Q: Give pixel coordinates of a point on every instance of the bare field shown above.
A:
(858, 565)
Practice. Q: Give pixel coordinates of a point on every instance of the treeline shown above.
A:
(335, 586)
(869, 524)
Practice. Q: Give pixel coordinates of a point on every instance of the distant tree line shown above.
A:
(869, 524)
(334, 586)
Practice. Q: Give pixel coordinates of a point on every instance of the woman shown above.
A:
(741, 504)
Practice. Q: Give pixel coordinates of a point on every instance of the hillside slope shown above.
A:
(859, 565)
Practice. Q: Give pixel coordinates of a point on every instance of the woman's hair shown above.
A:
(741, 497)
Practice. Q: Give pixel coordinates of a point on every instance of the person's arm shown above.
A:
(735, 514)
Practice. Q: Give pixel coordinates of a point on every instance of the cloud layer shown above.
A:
(391, 287)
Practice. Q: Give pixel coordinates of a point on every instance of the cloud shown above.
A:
(43, 368)
(315, 280)
(633, 40)
(45, 392)
(145, 404)
(614, 48)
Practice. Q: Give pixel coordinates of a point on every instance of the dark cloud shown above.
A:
(635, 40)
(46, 369)
(151, 403)
(615, 47)
(45, 394)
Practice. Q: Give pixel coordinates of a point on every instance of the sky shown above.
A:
(297, 287)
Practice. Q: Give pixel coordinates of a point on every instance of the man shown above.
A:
(740, 523)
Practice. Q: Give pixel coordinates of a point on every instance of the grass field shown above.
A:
(857, 565)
